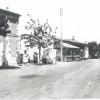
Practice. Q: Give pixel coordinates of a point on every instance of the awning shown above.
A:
(69, 45)
(65, 45)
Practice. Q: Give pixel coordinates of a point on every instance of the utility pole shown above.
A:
(61, 16)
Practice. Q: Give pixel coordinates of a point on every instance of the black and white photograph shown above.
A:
(49, 49)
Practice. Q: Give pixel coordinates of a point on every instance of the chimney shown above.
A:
(7, 8)
(73, 38)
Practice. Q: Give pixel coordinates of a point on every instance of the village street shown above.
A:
(74, 80)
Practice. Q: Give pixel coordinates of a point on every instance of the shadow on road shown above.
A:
(30, 76)
(8, 67)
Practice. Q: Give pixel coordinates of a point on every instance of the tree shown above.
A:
(40, 35)
(92, 49)
(3, 32)
(98, 50)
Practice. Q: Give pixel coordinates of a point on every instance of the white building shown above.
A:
(11, 39)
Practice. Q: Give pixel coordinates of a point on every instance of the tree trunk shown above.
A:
(40, 55)
(4, 59)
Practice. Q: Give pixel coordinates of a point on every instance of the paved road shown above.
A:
(74, 80)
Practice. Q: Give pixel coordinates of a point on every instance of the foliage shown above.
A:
(98, 50)
(93, 48)
(39, 35)
(4, 25)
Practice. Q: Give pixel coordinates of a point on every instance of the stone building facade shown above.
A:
(12, 38)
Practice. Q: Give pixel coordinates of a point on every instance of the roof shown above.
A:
(9, 12)
(65, 45)
(12, 17)
(71, 42)
(69, 45)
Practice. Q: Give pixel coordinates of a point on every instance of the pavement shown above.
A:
(64, 80)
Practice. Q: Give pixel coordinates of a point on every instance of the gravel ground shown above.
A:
(65, 80)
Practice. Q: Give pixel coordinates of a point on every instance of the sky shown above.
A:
(81, 18)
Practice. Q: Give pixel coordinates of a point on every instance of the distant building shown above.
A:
(72, 49)
(12, 38)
